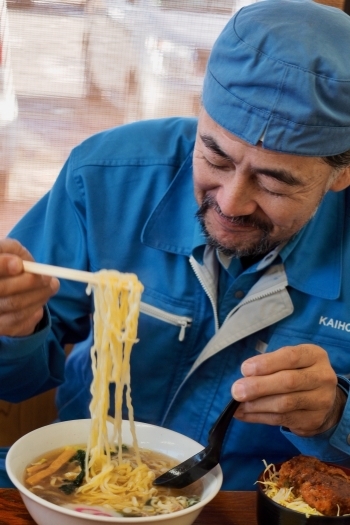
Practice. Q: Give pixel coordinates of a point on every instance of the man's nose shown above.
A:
(236, 197)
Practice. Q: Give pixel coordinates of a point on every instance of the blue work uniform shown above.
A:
(124, 200)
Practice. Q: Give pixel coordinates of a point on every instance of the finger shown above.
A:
(284, 382)
(254, 387)
(300, 422)
(20, 312)
(27, 298)
(11, 255)
(10, 265)
(314, 400)
(286, 358)
(12, 246)
(26, 282)
(20, 323)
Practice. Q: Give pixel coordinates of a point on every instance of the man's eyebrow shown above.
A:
(211, 143)
(282, 175)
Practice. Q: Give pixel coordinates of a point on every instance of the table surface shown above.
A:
(227, 508)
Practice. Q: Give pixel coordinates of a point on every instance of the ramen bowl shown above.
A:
(271, 513)
(55, 436)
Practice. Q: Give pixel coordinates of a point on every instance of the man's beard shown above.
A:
(264, 245)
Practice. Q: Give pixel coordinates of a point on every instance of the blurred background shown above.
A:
(73, 67)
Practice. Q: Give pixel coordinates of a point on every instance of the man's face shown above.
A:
(251, 199)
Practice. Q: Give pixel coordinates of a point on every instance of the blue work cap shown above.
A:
(280, 72)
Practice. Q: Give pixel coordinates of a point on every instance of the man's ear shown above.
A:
(341, 181)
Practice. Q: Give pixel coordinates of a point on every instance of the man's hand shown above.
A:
(22, 295)
(294, 386)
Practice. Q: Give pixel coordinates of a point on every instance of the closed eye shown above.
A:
(216, 167)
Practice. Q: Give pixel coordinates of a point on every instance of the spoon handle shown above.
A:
(218, 430)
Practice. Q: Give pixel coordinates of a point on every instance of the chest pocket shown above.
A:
(181, 321)
(159, 357)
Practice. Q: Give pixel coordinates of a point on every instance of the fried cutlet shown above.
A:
(323, 487)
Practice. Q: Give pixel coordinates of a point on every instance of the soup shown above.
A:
(59, 477)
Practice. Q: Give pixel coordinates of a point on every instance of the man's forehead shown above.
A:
(210, 133)
(215, 137)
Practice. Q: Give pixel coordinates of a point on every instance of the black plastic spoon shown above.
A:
(198, 465)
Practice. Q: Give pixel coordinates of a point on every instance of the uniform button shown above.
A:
(348, 439)
(239, 294)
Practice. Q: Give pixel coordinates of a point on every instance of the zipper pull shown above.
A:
(183, 325)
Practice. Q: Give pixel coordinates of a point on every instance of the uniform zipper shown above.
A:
(178, 320)
(248, 300)
(211, 298)
(253, 298)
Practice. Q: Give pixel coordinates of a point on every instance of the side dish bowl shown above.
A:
(271, 513)
(57, 435)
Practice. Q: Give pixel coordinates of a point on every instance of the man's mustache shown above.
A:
(239, 220)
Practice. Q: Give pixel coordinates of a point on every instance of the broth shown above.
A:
(129, 493)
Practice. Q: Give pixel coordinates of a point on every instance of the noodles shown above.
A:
(107, 475)
(128, 487)
(117, 304)
(126, 491)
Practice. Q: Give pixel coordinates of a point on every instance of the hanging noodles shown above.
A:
(117, 304)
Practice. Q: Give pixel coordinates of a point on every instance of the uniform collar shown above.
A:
(313, 259)
(165, 228)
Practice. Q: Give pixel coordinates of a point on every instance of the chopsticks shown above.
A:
(60, 272)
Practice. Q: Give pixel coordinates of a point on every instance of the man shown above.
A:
(237, 228)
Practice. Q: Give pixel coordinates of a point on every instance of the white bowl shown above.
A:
(50, 437)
